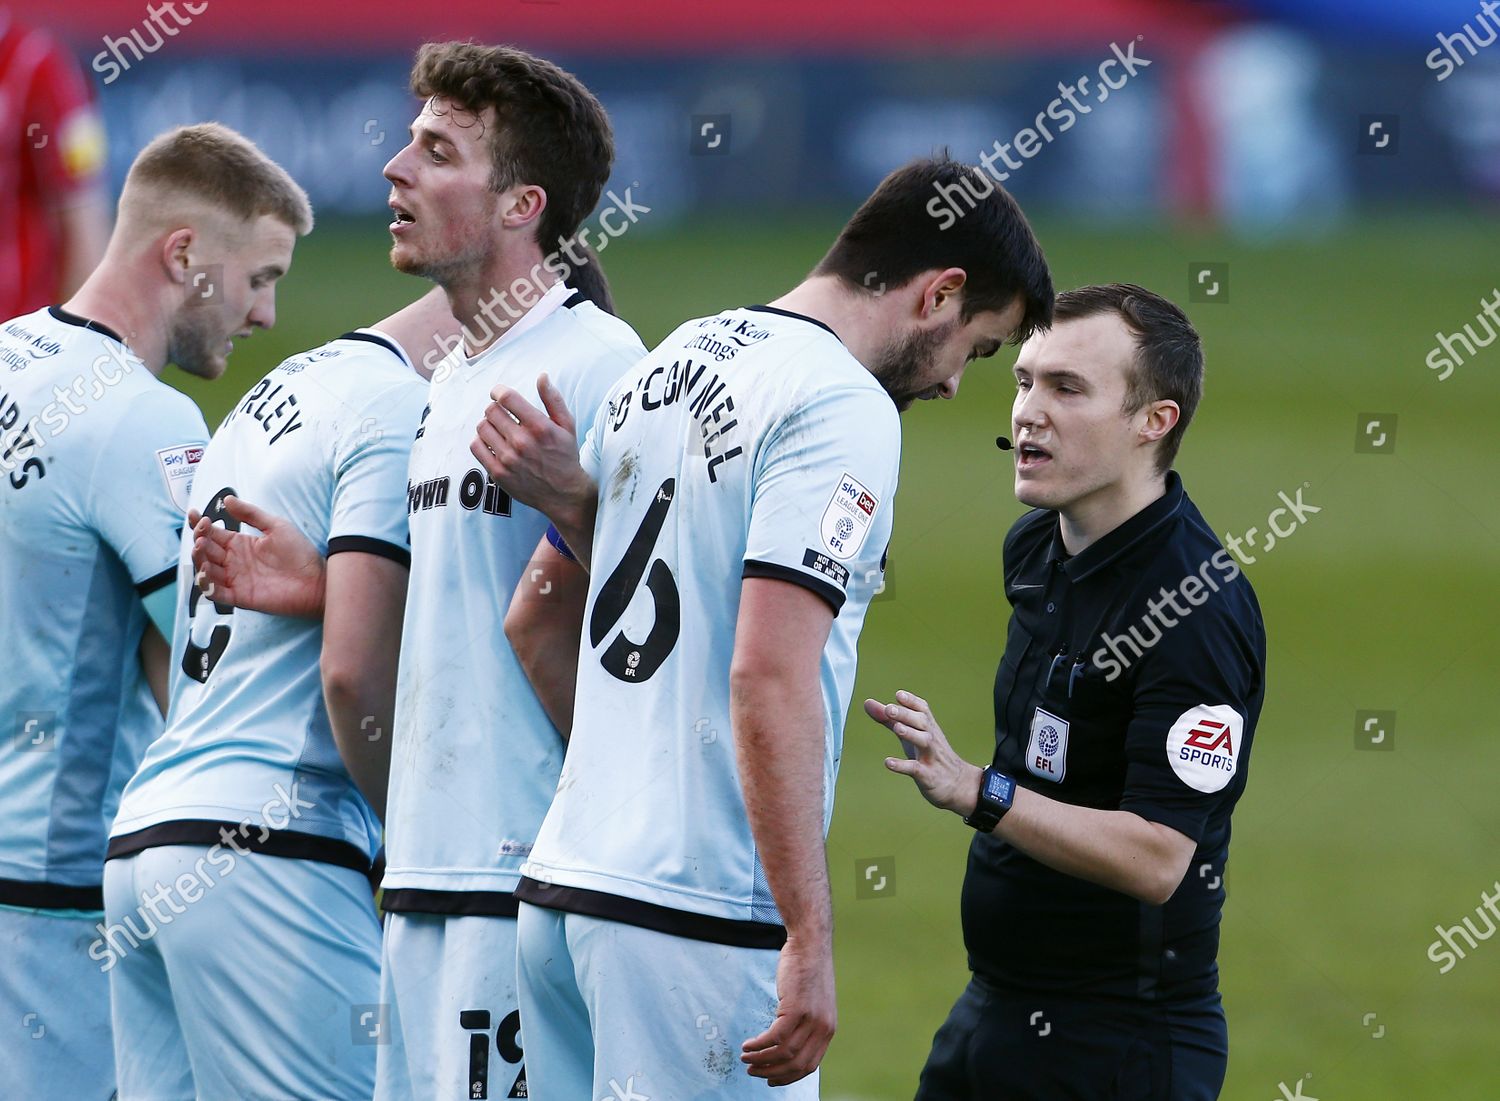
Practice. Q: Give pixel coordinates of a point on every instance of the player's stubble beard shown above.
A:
(196, 341)
(906, 360)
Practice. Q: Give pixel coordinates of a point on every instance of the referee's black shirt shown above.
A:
(1103, 702)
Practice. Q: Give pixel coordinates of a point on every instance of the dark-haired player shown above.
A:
(733, 504)
(507, 157)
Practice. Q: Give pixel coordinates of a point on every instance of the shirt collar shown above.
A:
(1115, 542)
(549, 303)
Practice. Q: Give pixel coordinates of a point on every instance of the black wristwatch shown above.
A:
(996, 793)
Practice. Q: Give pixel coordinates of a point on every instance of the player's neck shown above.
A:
(112, 296)
(490, 301)
(854, 317)
(1084, 522)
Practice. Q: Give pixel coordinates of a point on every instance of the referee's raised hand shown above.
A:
(944, 778)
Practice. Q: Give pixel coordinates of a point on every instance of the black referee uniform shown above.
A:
(1132, 679)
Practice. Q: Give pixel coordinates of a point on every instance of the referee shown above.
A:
(1125, 704)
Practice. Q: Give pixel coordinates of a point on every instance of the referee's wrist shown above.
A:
(968, 788)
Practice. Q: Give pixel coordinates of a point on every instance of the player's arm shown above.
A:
(776, 712)
(1114, 848)
(544, 626)
(278, 571)
(361, 640)
(533, 454)
(156, 664)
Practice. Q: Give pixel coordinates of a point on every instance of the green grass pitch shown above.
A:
(1342, 860)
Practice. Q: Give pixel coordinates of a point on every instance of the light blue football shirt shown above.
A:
(323, 440)
(749, 444)
(96, 460)
(475, 758)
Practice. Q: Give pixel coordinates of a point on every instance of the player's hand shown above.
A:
(531, 453)
(806, 1017)
(944, 778)
(278, 571)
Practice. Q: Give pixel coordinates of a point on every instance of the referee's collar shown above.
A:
(1112, 544)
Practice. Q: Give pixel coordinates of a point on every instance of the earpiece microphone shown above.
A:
(1004, 444)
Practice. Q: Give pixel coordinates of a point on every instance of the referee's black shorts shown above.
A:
(1010, 1045)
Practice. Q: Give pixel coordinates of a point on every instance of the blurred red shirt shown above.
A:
(51, 149)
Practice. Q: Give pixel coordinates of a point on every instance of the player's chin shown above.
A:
(405, 259)
(205, 365)
(1034, 492)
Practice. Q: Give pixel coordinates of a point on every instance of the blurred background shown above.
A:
(1316, 182)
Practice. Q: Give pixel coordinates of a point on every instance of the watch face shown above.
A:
(999, 788)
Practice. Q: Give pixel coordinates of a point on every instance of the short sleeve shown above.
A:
(369, 490)
(823, 495)
(61, 105)
(591, 451)
(1196, 701)
(141, 481)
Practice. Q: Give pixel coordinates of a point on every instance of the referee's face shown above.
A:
(1074, 442)
(444, 213)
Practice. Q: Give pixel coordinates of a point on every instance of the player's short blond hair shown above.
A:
(211, 166)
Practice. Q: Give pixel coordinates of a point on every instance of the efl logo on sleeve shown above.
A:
(177, 467)
(1204, 746)
(846, 520)
(1047, 752)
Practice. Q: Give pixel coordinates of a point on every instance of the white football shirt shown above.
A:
(96, 459)
(750, 444)
(475, 758)
(322, 441)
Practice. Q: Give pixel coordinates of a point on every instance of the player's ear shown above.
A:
(1160, 418)
(940, 294)
(522, 205)
(177, 253)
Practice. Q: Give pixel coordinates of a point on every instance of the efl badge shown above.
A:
(1047, 752)
(177, 467)
(846, 520)
(1204, 746)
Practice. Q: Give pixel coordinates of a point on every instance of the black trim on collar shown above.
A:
(577, 298)
(1109, 546)
(418, 900)
(797, 316)
(50, 896)
(67, 318)
(373, 338)
(648, 915)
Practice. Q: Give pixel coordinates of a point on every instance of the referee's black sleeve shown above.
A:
(1197, 698)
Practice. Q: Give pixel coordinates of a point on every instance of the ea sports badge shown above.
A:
(1047, 752)
(1203, 746)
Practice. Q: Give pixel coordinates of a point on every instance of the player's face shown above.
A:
(446, 215)
(1073, 438)
(929, 362)
(233, 297)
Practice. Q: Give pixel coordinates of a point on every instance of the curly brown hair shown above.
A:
(550, 130)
